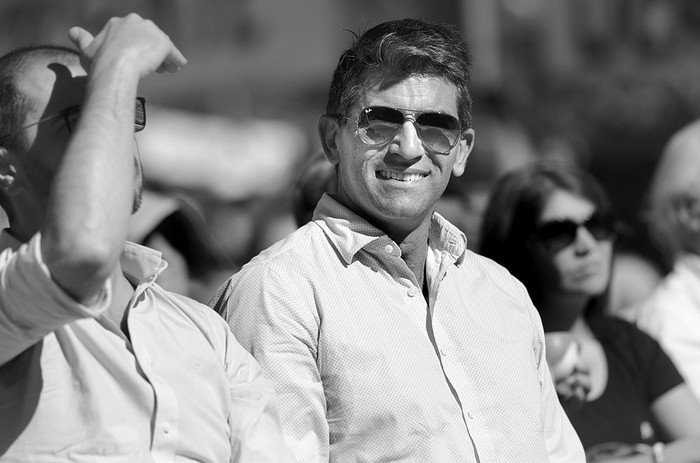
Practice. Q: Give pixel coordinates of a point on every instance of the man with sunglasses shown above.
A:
(97, 362)
(385, 337)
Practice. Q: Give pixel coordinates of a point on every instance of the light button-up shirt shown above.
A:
(368, 371)
(75, 388)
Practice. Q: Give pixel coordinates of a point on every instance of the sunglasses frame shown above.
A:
(71, 110)
(410, 115)
(601, 226)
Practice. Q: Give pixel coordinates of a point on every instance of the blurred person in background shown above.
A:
(316, 177)
(174, 223)
(552, 225)
(386, 338)
(97, 362)
(672, 312)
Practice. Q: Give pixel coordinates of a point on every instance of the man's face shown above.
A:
(396, 184)
(51, 88)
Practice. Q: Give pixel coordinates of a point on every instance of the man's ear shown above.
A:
(688, 213)
(328, 130)
(8, 173)
(464, 148)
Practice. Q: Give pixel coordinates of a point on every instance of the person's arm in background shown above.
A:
(677, 413)
(675, 410)
(92, 195)
(276, 321)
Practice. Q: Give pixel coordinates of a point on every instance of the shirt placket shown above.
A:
(455, 373)
(144, 333)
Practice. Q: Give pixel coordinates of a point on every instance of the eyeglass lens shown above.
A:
(71, 115)
(379, 124)
(558, 234)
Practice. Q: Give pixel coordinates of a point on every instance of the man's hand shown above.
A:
(134, 39)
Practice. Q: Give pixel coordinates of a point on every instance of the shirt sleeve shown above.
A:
(256, 433)
(32, 305)
(561, 439)
(276, 321)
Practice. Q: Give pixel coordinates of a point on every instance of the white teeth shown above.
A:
(399, 176)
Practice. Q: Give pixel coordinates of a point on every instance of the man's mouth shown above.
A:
(401, 177)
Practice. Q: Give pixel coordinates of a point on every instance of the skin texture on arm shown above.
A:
(87, 215)
(678, 414)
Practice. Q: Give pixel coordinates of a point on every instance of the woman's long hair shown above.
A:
(513, 212)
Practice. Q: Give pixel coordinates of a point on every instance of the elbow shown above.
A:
(81, 264)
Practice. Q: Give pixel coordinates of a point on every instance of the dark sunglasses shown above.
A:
(70, 116)
(439, 132)
(556, 235)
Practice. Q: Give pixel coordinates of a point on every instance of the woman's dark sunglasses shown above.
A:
(556, 235)
(440, 132)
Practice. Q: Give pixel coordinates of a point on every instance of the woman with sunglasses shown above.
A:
(552, 226)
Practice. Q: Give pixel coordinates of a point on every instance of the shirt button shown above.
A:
(443, 352)
(412, 292)
(389, 249)
(166, 428)
(470, 415)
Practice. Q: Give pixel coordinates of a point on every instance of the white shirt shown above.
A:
(671, 314)
(74, 388)
(336, 319)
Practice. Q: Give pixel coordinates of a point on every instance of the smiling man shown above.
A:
(385, 338)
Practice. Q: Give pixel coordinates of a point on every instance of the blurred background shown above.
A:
(600, 82)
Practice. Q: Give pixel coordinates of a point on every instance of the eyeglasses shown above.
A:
(556, 235)
(70, 116)
(439, 132)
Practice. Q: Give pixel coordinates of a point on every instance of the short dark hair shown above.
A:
(398, 49)
(514, 209)
(13, 104)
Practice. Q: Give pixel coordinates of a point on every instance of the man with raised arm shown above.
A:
(97, 362)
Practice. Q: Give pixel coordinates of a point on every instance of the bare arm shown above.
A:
(92, 194)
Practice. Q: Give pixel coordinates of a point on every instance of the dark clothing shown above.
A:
(639, 372)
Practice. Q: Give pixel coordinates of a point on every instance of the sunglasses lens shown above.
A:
(557, 235)
(439, 131)
(600, 226)
(378, 124)
(140, 115)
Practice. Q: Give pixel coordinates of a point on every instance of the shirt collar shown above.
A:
(350, 233)
(139, 263)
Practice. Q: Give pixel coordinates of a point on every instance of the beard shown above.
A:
(138, 184)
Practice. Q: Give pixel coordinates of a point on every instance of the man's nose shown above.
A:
(409, 143)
